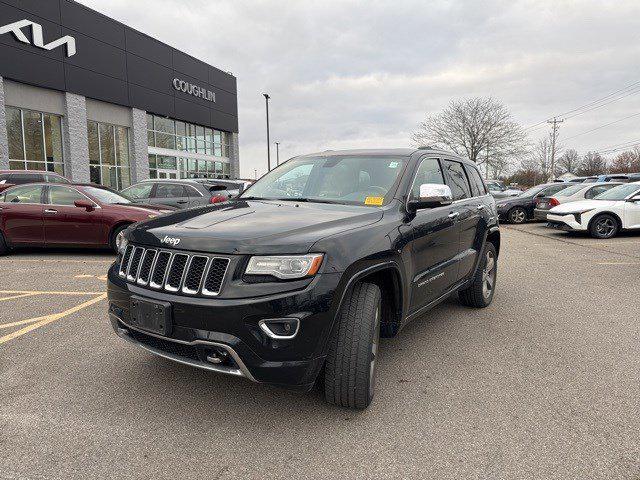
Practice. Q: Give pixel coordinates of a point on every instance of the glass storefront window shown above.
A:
(109, 155)
(185, 137)
(35, 140)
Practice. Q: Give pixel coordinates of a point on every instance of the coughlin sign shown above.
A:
(37, 36)
(194, 90)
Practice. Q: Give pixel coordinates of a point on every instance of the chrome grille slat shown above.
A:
(146, 267)
(194, 274)
(124, 266)
(134, 265)
(174, 271)
(160, 270)
(214, 279)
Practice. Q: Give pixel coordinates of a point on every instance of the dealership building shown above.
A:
(90, 98)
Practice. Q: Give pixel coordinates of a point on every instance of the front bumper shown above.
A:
(204, 327)
(569, 222)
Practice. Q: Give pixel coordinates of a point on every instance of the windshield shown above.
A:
(566, 192)
(532, 191)
(357, 180)
(105, 196)
(620, 192)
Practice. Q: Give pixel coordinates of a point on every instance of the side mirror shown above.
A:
(634, 199)
(431, 195)
(86, 204)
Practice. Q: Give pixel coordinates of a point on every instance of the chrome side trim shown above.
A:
(241, 371)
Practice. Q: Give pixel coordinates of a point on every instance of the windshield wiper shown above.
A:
(305, 200)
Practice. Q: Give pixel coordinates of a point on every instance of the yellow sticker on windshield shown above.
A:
(374, 201)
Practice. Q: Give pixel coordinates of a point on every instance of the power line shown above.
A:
(628, 90)
(602, 126)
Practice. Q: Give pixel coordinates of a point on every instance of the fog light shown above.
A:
(280, 328)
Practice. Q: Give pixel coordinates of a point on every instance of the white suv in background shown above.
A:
(604, 216)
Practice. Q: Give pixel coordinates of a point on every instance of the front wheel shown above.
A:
(517, 215)
(604, 226)
(480, 293)
(350, 368)
(3, 245)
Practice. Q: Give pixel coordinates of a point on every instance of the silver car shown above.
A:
(574, 193)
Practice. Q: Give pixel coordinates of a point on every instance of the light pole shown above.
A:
(266, 101)
(277, 153)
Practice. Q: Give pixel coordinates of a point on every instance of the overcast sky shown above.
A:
(345, 74)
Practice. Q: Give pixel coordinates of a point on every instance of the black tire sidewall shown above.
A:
(4, 248)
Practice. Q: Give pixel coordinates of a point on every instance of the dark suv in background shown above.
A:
(295, 281)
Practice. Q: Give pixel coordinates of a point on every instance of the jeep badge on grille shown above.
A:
(170, 241)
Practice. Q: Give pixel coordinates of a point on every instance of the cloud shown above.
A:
(364, 73)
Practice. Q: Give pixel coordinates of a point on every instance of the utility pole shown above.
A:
(266, 100)
(277, 153)
(554, 138)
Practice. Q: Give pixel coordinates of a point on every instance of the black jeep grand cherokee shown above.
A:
(295, 281)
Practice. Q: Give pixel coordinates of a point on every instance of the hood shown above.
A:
(249, 227)
(135, 211)
(507, 201)
(581, 206)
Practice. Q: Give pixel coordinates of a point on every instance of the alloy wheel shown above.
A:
(489, 275)
(605, 227)
(518, 215)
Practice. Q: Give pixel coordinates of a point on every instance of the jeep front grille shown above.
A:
(175, 272)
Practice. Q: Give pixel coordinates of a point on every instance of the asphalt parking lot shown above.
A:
(543, 384)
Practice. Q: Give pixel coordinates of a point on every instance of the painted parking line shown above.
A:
(13, 297)
(41, 292)
(38, 322)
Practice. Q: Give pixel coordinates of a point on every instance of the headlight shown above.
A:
(123, 245)
(285, 267)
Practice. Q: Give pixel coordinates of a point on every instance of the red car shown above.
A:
(48, 215)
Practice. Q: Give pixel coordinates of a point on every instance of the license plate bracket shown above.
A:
(151, 316)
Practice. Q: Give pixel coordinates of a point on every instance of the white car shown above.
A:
(604, 216)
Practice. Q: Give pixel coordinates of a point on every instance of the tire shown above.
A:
(480, 293)
(604, 226)
(349, 374)
(113, 241)
(517, 215)
(4, 249)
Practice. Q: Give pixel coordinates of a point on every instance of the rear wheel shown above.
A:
(4, 249)
(117, 236)
(350, 368)
(517, 215)
(480, 293)
(604, 226)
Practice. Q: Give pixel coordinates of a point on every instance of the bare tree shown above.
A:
(540, 158)
(480, 128)
(569, 162)
(627, 162)
(592, 164)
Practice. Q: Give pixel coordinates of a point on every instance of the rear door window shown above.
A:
(457, 180)
(477, 184)
(29, 194)
(169, 190)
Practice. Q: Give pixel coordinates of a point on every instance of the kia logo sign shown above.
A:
(195, 90)
(37, 36)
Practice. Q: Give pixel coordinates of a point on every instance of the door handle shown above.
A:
(454, 215)
(480, 207)
(50, 210)
(182, 201)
